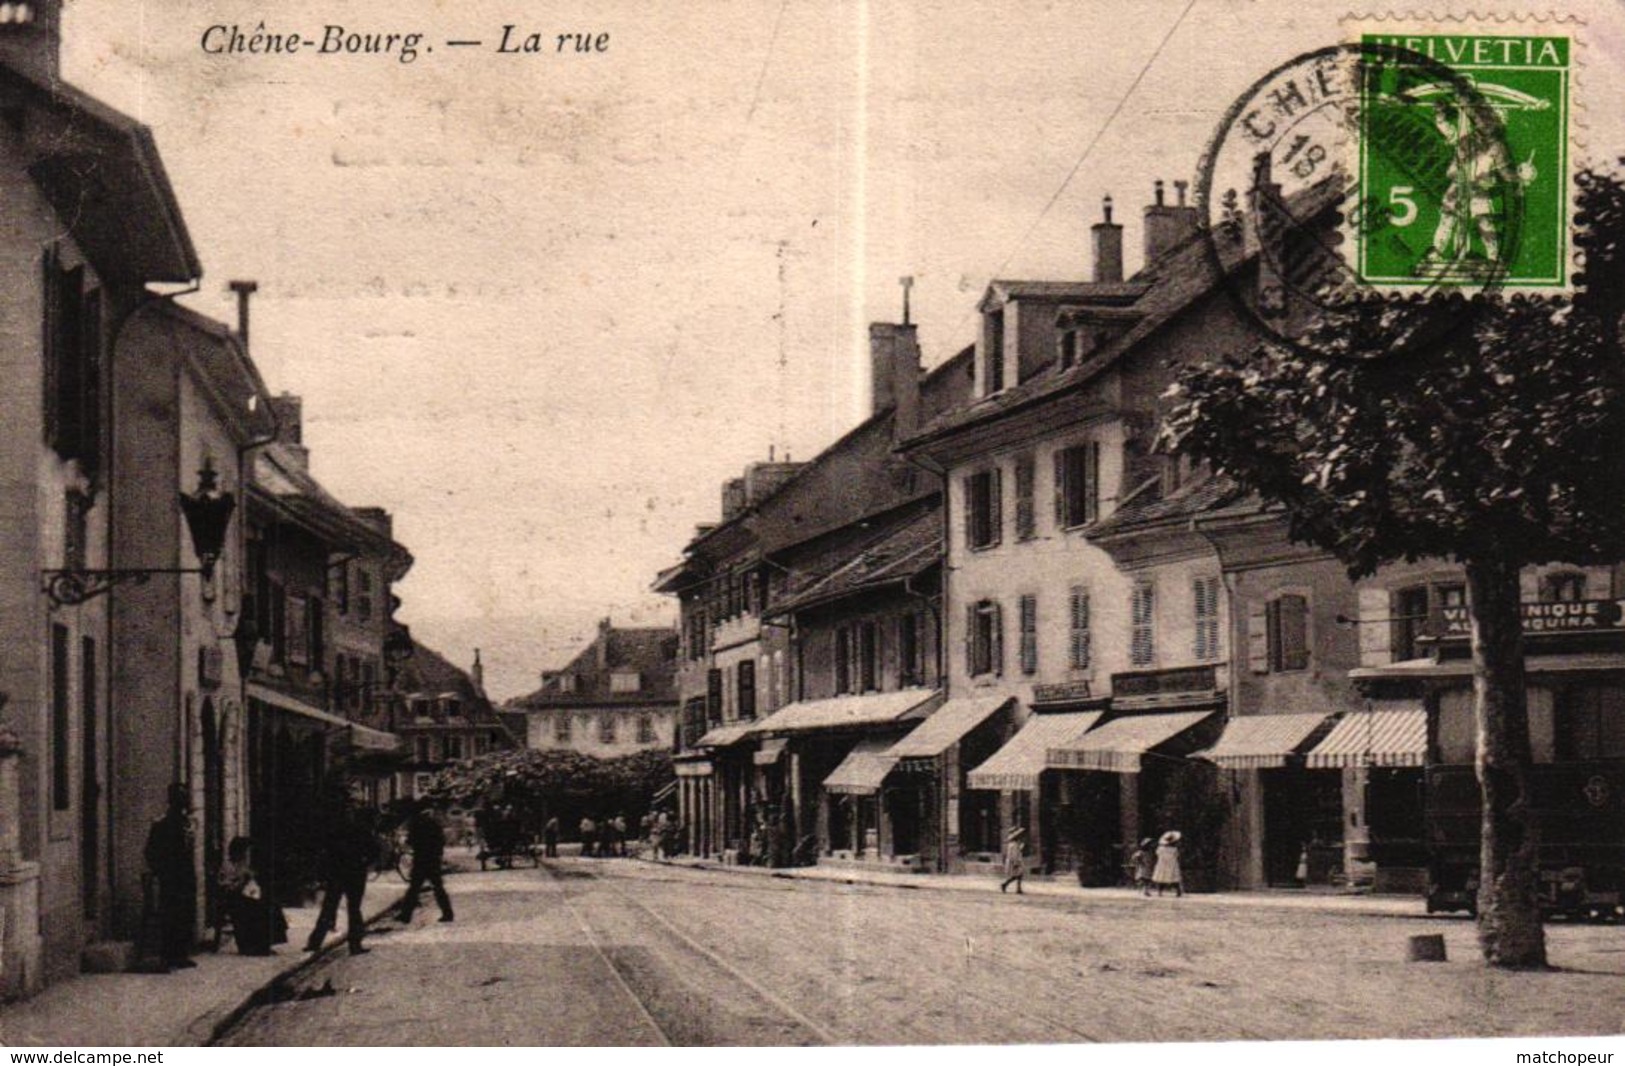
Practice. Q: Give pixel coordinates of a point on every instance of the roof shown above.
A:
(1262, 741)
(650, 652)
(222, 365)
(904, 551)
(428, 674)
(282, 479)
(103, 175)
(1118, 746)
(864, 768)
(948, 725)
(873, 708)
(1182, 505)
(1397, 737)
(1025, 755)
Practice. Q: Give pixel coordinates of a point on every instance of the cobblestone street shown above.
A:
(627, 953)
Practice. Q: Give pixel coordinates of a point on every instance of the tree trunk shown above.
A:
(1509, 920)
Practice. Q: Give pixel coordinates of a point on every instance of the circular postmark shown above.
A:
(1355, 197)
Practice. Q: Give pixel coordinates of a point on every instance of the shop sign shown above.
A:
(1577, 616)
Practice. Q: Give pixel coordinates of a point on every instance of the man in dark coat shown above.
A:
(348, 850)
(170, 857)
(428, 843)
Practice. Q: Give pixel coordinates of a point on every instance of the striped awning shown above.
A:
(1261, 741)
(695, 768)
(362, 737)
(1117, 746)
(1018, 764)
(724, 736)
(843, 712)
(771, 752)
(863, 769)
(1388, 737)
(948, 725)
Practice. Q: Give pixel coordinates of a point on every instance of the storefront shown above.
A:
(926, 791)
(1012, 777)
(1380, 753)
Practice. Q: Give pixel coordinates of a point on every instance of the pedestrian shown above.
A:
(1144, 864)
(170, 856)
(1166, 874)
(550, 838)
(589, 837)
(1301, 875)
(427, 840)
(256, 921)
(1015, 859)
(617, 836)
(349, 848)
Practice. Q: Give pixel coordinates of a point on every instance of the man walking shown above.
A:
(348, 851)
(169, 855)
(550, 837)
(428, 843)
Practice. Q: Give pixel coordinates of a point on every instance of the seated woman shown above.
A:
(254, 918)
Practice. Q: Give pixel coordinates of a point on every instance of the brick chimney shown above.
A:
(733, 498)
(1108, 240)
(894, 374)
(290, 416)
(1167, 224)
(1264, 212)
(31, 37)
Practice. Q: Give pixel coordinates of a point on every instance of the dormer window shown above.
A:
(567, 682)
(623, 682)
(16, 15)
(1069, 348)
(993, 353)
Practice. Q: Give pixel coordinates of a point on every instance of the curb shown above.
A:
(1287, 903)
(207, 1029)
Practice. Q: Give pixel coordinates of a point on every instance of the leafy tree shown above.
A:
(562, 784)
(1500, 443)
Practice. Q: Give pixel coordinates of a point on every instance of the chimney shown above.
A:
(733, 498)
(289, 410)
(1167, 225)
(1108, 246)
(603, 645)
(894, 365)
(476, 674)
(31, 37)
(1264, 209)
(243, 289)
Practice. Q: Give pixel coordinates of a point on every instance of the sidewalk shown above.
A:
(1330, 902)
(179, 1009)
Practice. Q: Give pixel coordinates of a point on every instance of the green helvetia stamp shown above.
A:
(1463, 145)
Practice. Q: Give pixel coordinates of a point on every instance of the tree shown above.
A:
(561, 783)
(1500, 443)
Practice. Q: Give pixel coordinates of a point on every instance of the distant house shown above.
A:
(442, 716)
(618, 696)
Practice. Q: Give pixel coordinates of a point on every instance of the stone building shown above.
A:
(442, 715)
(616, 697)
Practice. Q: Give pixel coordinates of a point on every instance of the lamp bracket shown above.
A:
(69, 588)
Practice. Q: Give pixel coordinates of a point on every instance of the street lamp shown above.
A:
(208, 514)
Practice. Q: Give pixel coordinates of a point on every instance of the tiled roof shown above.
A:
(650, 652)
(1190, 501)
(906, 550)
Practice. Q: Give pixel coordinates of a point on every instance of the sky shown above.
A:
(540, 306)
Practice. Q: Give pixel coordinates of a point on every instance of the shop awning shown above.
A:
(1388, 737)
(361, 736)
(1452, 669)
(1018, 764)
(724, 736)
(1117, 746)
(1261, 741)
(663, 793)
(771, 752)
(948, 725)
(874, 708)
(693, 768)
(863, 769)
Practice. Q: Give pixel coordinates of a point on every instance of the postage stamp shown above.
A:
(1480, 194)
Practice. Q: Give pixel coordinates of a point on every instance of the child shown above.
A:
(1144, 860)
(1015, 859)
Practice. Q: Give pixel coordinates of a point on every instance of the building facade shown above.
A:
(442, 715)
(618, 696)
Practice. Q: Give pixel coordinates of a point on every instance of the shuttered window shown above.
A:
(713, 695)
(747, 688)
(843, 660)
(1142, 626)
(1029, 634)
(1079, 634)
(1205, 597)
(1287, 622)
(984, 518)
(1026, 524)
(1077, 485)
(984, 639)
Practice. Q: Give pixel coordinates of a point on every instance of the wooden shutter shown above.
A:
(1258, 640)
(1091, 481)
(1080, 628)
(1024, 498)
(1375, 635)
(967, 491)
(996, 643)
(995, 506)
(747, 689)
(970, 640)
(1294, 627)
(1060, 489)
(1029, 634)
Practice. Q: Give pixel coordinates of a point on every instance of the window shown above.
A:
(646, 730)
(1079, 643)
(567, 683)
(984, 521)
(606, 729)
(451, 707)
(279, 623)
(316, 653)
(746, 680)
(73, 358)
(369, 693)
(363, 600)
(869, 657)
(843, 660)
(984, 651)
(1418, 614)
(625, 681)
(338, 586)
(713, 696)
(61, 719)
(425, 749)
(421, 784)
(1029, 634)
(993, 379)
(1069, 348)
(1563, 587)
(454, 747)
(1077, 485)
(561, 727)
(694, 632)
(1025, 523)
(1591, 723)
(1205, 594)
(1142, 625)
(1287, 622)
(910, 661)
